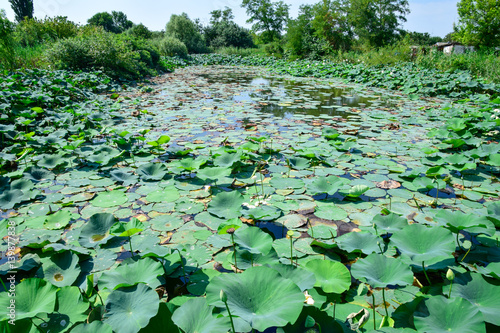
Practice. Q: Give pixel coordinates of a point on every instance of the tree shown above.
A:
(185, 30)
(223, 32)
(268, 18)
(422, 38)
(377, 22)
(116, 22)
(22, 9)
(331, 23)
(478, 23)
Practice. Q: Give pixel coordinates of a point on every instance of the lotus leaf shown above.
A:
(152, 171)
(419, 243)
(331, 276)
(260, 296)
(145, 270)
(226, 204)
(61, 270)
(449, 315)
(109, 199)
(195, 316)
(96, 230)
(380, 271)
(253, 240)
(129, 309)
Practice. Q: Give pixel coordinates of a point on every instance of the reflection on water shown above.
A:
(285, 97)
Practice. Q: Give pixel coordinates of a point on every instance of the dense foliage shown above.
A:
(182, 28)
(479, 22)
(116, 22)
(22, 8)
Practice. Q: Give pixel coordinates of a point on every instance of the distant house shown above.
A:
(453, 47)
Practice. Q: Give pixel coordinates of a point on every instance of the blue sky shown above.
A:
(434, 17)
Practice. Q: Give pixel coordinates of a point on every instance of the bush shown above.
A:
(31, 32)
(140, 31)
(117, 56)
(224, 34)
(182, 28)
(7, 44)
(171, 47)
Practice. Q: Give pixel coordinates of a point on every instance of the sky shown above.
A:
(435, 17)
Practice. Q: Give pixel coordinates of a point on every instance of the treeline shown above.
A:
(366, 31)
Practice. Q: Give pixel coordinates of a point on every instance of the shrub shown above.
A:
(118, 56)
(182, 28)
(140, 31)
(171, 47)
(31, 32)
(7, 55)
(224, 34)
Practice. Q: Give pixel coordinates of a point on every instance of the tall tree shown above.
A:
(478, 23)
(185, 30)
(268, 18)
(223, 31)
(22, 9)
(331, 23)
(116, 22)
(377, 22)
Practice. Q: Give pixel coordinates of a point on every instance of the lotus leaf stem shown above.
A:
(385, 304)
(3, 284)
(425, 273)
(374, 312)
(466, 253)
(182, 264)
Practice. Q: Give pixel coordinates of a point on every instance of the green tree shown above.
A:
(268, 18)
(377, 22)
(331, 23)
(223, 32)
(116, 22)
(422, 38)
(478, 23)
(22, 9)
(7, 44)
(185, 30)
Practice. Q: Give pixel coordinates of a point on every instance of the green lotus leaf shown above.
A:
(152, 171)
(380, 271)
(195, 316)
(58, 220)
(8, 199)
(304, 279)
(259, 296)
(191, 164)
(329, 185)
(357, 191)
(286, 183)
(456, 221)
(298, 163)
(419, 243)
(449, 315)
(226, 204)
(109, 199)
(146, 270)
(226, 160)
(129, 309)
(214, 173)
(71, 303)
(128, 229)
(494, 213)
(50, 161)
(61, 270)
(34, 296)
(456, 124)
(37, 175)
(262, 212)
(160, 141)
(494, 160)
(253, 240)
(124, 177)
(359, 241)
(482, 295)
(330, 212)
(24, 185)
(103, 155)
(311, 318)
(94, 327)
(331, 276)
(330, 133)
(167, 194)
(96, 230)
(389, 223)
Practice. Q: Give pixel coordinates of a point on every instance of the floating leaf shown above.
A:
(380, 271)
(109, 199)
(226, 205)
(129, 309)
(331, 276)
(195, 316)
(96, 230)
(260, 296)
